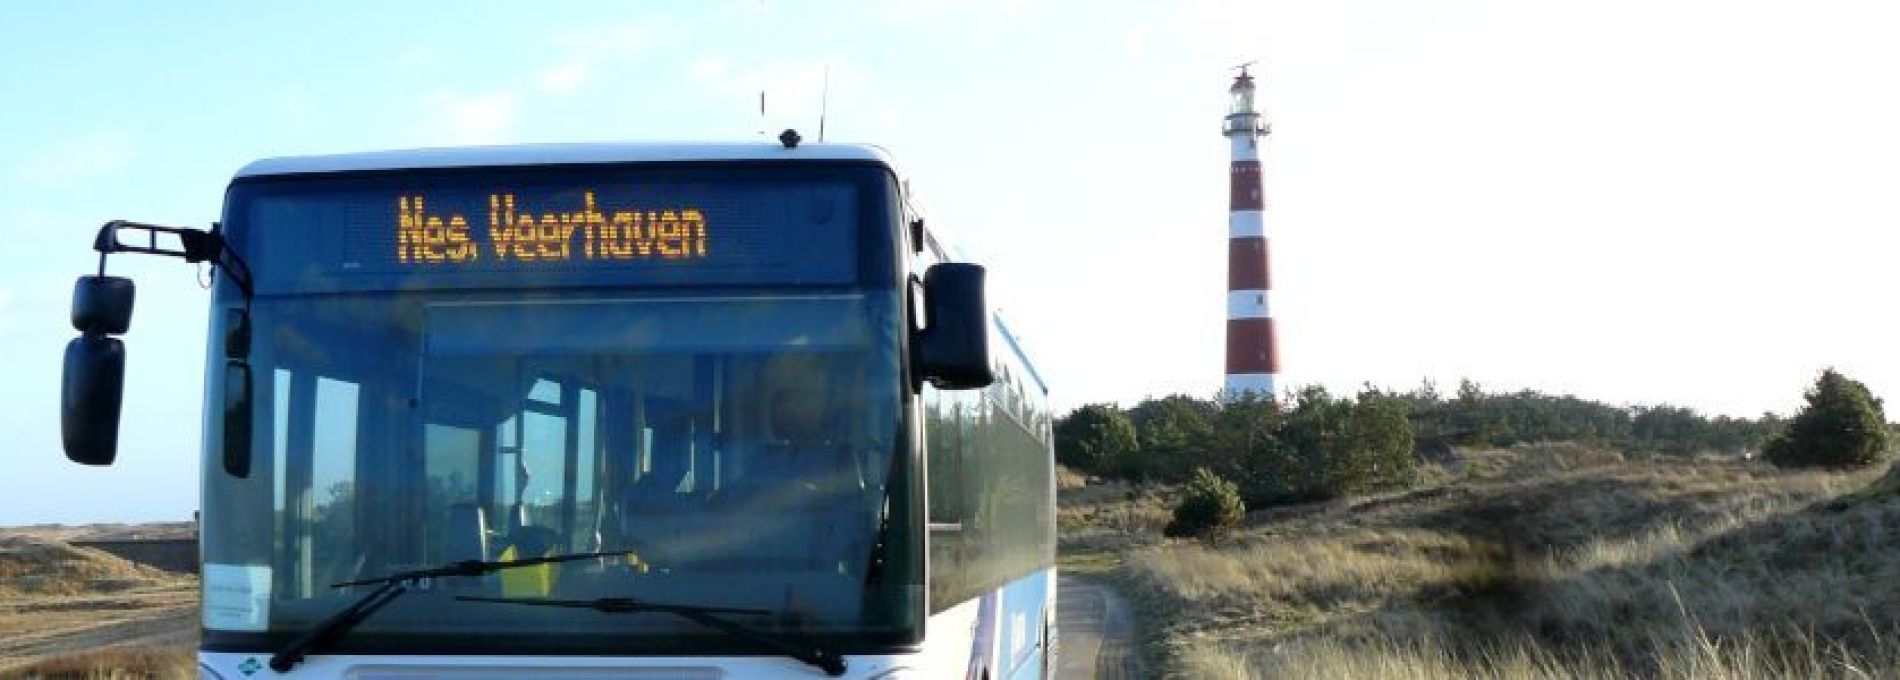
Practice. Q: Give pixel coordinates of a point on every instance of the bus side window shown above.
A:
(943, 443)
(946, 443)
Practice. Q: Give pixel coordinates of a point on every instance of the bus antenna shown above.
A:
(824, 101)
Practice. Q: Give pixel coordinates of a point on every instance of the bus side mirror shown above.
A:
(92, 387)
(953, 350)
(89, 398)
(237, 418)
(102, 304)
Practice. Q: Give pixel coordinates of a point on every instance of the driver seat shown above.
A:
(527, 542)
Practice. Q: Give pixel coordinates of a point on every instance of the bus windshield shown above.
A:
(738, 442)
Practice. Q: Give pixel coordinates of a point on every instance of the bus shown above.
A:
(601, 410)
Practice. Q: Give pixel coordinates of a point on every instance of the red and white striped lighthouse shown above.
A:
(1252, 358)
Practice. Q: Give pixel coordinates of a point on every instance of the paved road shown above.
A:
(1098, 634)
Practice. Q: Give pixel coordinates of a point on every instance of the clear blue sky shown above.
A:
(1631, 201)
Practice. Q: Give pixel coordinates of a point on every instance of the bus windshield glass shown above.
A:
(700, 371)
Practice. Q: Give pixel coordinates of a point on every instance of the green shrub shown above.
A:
(1330, 446)
(1209, 504)
(1097, 439)
(1841, 424)
(1174, 434)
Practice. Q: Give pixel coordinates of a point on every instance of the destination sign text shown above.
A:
(514, 233)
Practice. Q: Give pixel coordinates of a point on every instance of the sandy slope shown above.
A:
(58, 599)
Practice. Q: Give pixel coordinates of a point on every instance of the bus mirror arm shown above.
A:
(92, 387)
(194, 245)
(953, 349)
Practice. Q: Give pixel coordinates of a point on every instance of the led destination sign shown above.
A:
(526, 229)
(514, 233)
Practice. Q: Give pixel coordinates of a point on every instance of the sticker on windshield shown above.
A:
(237, 596)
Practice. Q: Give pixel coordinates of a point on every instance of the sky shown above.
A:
(1636, 201)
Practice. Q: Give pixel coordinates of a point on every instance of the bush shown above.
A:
(1330, 446)
(1210, 504)
(1174, 433)
(1097, 439)
(1842, 424)
(1243, 433)
(1382, 446)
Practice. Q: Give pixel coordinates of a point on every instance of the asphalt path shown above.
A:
(1098, 634)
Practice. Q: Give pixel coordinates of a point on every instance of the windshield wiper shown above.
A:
(829, 661)
(393, 586)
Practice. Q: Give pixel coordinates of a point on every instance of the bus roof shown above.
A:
(562, 154)
(1017, 347)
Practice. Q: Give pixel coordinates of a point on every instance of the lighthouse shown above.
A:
(1252, 357)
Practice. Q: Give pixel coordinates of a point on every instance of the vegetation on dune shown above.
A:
(68, 611)
(1176, 435)
(1320, 446)
(1330, 446)
(1694, 656)
(1523, 536)
(128, 663)
(1475, 418)
(1314, 445)
(1096, 437)
(1543, 561)
(31, 566)
(1841, 424)
(1208, 505)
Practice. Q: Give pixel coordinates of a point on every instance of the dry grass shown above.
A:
(1111, 516)
(1540, 562)
(129, 620)
(1329, 660)
(132, 663)
(1069, 480)
(1696, 655)
(31, 566)
(1321, 571)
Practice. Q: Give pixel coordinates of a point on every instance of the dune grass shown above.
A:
(30, 566)
(1694, 655)
(128, 663)
(1538, 562)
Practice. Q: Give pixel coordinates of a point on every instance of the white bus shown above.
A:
(600, 411)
